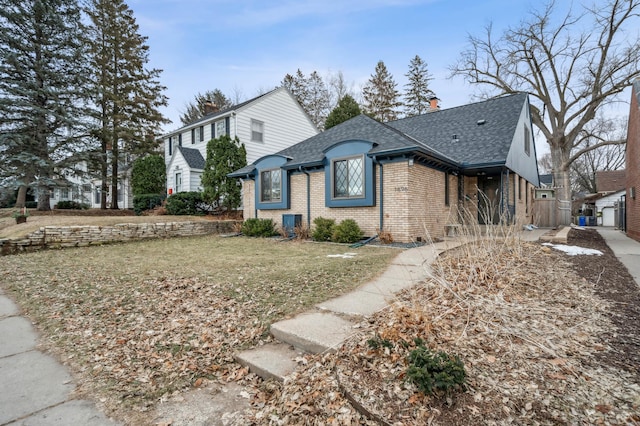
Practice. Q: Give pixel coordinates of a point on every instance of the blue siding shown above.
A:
(268, 163)
(345, 150)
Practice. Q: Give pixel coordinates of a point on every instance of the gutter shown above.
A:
(381, 185)
(308, 195)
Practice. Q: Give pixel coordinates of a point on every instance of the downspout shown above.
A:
(308, 195)
(235, 125)
(381, 185)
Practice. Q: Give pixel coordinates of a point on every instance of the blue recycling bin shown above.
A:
(582, 220)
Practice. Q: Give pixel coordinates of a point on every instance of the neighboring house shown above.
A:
(265, 124)
(632, 200)
(410, 177)
(546, 189)
(600, 208)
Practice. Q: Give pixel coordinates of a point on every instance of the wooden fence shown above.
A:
(544, 212)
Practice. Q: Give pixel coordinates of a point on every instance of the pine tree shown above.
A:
(347, 108)
(42, 92)
(381, 96)
(417, 95)
(224, 155)
(197, 109)
(128, 94)
(311, 93)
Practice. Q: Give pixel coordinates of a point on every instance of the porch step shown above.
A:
(273, 361)
(313, 332)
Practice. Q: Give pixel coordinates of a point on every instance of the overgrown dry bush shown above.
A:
(385, 236)
(302, 231)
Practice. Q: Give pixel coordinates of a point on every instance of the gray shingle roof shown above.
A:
(194, 159)
(477, 143)
(431, 134)
(220, 113)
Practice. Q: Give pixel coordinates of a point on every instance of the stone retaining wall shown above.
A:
(82, 236)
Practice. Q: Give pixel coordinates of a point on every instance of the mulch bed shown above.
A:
(613, 283)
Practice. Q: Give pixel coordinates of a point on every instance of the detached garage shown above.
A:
(605, 208)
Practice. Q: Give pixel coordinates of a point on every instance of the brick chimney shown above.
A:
(210, 108)
(433, 104)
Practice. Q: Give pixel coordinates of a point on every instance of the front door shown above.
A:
(488, 200)
(178, 182)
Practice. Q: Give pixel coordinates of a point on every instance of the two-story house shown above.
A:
(265, 124)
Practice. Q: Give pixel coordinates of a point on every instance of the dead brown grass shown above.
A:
(139, 321)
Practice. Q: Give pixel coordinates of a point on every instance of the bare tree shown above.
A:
(604, 158)
(571, 67)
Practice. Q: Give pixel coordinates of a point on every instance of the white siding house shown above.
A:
(266, 124)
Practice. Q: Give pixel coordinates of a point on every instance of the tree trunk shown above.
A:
(562, 183)
(104, 175)
(114, 176)
(22, 196)
(44, 197)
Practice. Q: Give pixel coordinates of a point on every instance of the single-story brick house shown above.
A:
(411, 177)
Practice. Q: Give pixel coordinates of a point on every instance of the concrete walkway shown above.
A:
(626, 249)
(332, 322)
(35, 389)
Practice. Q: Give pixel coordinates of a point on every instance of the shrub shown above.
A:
(71, 205)
(186, 203)
(259, 228)
(302, 231)
(323, 229)
(149, 175)
(385, 236)
(31, 204)
(146, 202)
(432, 373)
(347, 231)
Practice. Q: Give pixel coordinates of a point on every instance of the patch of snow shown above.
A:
(574, 250)
(343, 256)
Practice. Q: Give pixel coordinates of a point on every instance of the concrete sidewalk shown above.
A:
(626, 249)
(35, 389)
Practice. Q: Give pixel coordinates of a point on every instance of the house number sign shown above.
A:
(402, 188)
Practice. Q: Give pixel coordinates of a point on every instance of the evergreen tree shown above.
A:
(311, 93)
(381, 96)
(417, 94)
(224, 155)
(148, 175)
(347, 108)
(43, 95)
(196, 109)
(128, 95)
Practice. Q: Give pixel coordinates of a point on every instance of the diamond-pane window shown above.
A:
(271, 185)
(348, 178)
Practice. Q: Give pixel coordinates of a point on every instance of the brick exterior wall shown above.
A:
(633, 165)
(414, 205)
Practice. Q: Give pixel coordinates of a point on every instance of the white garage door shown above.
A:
(608, 216)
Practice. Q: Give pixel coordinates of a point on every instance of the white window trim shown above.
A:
(261, 123)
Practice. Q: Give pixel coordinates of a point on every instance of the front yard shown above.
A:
(141, 320)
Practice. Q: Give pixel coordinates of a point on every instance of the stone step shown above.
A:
(272, 361)
(313, 332)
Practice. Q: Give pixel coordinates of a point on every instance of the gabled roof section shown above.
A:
(193, 157)
(478, 133)
(359, 128)
(222, 112)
